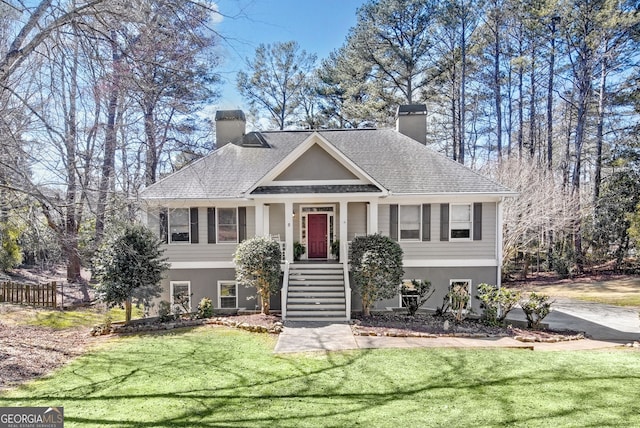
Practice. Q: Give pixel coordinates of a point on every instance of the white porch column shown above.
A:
(259, 213)
(499, 220)
(344, 221)
(372, 220)
(288, 231)
(265, 220)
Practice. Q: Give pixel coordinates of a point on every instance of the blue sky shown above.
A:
(319, 26)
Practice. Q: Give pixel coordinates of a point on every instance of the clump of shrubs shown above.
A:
(496, 302)
(164, 312)
(205, 308)
(456, 301)
(536, 307)
(415, 294)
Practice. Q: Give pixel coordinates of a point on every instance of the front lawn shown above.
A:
(214, 376)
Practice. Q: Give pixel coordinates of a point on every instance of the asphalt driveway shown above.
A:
(597, 320)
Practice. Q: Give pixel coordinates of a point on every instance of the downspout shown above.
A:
(499, 225)
(347, 289)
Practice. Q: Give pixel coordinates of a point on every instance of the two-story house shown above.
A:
(322, 188)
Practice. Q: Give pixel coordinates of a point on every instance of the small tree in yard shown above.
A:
(258, 265)
(376, 263)
(129, 267)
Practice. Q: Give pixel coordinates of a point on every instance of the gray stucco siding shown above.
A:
(204, 283)
(440, 278)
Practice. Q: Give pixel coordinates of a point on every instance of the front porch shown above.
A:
(322, 228)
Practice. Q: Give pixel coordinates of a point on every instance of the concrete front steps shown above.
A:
(316, 292)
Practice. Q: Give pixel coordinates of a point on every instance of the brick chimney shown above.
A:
(411, 120)
(230, 126)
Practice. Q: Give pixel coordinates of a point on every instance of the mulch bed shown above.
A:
(424, 325)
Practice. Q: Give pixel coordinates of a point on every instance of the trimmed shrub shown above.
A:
(376, 263)
(258, 265)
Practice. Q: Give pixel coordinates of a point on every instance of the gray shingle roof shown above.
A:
(397, 162)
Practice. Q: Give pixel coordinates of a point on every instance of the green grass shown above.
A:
(219, 377)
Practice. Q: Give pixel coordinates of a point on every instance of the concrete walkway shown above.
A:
(605, 325)
(315, 336)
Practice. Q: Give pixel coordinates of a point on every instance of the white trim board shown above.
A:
(406, 263)
(451, 263)
(202, 265)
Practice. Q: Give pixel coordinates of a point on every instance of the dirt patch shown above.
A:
(27, 353)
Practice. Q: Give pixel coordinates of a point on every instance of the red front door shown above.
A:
(317, 236)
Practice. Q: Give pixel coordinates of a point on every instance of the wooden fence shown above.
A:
(29, 294)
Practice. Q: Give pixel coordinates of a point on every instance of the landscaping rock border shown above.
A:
(156, 325)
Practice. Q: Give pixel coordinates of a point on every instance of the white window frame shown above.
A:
(227, 282)
(170, 213)
(469, 223)
(470, 282)
(218, 240)
(172, 285)
(419, 237)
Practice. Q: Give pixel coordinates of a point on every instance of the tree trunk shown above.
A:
(552, 60)
(70, 238)
(496, 89)
(509, 111)
(108, 163)
(520, 96)
(532, 104)
(127, 310)
(266, 304)
(366, 310)
(152, 152)
(599, 131)
(463, 84)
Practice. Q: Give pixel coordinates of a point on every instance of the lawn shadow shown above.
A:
(223, 377)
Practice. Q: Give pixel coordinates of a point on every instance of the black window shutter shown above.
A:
(163, 221)
(211, 225)
(444, 222)
(242, 223)
(393, 222)
(477, 221)
(426, 222)
(194, 225)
